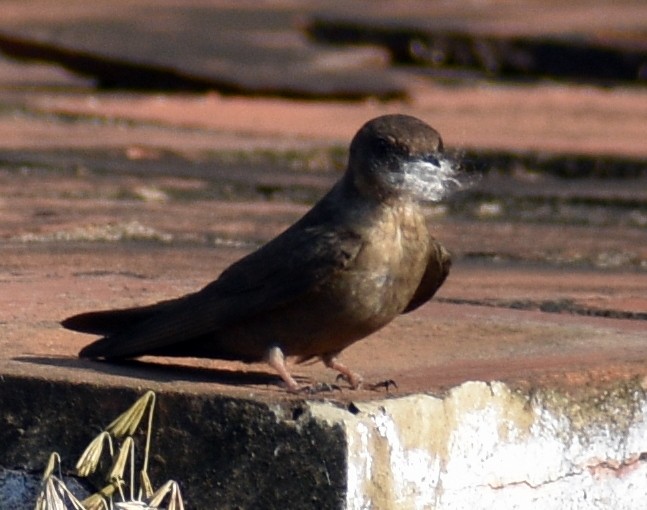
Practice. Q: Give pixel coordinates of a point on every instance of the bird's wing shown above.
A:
(284, 270)
(437, 269)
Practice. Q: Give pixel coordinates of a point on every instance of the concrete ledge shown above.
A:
(479, 445)
(225, 452)
(484, 445)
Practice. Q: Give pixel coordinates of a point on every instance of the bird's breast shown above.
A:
(388, 269)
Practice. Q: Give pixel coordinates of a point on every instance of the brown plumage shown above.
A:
(359, 258)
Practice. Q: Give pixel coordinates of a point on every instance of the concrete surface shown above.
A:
(521, 386)
(479, 445)
(331, 50)
(484, 445)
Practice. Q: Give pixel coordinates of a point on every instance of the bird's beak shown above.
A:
(432, 159)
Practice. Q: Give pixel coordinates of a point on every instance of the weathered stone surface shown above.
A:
(195, 46)
(486, 446)
(468, 48)
(545, 120)
(482, 445)
(225, 452)
(253, 48)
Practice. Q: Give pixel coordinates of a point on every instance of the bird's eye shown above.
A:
(381, 147)
(430, 158)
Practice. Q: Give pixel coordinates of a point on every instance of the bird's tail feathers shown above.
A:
(97, 349)
(105, 322)
(110, 322)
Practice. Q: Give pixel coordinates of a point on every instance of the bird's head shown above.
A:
(400, 157)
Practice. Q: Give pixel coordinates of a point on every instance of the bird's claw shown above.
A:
(341, 377)
(386, 384)
(313, 389)
(354, 382)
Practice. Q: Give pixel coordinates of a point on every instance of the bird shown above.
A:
(360, 257)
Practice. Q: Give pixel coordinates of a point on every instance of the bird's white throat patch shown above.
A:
(428, 181)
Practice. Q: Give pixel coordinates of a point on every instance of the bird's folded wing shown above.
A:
(437, 269)
(284, 270)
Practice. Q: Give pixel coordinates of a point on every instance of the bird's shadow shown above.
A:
(160, 372)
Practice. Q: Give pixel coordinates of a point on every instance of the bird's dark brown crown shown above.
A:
(396, 135)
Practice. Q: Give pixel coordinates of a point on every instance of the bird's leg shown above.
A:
(276, 360)
(354, 379)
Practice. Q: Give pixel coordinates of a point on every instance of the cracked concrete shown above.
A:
(479, 445)
(489, 446)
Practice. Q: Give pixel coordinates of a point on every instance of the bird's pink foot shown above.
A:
(354, 379)
(276, 359)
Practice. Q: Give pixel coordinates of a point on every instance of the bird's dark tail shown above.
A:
(106, 322)
(109, 323)
(97, 349)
